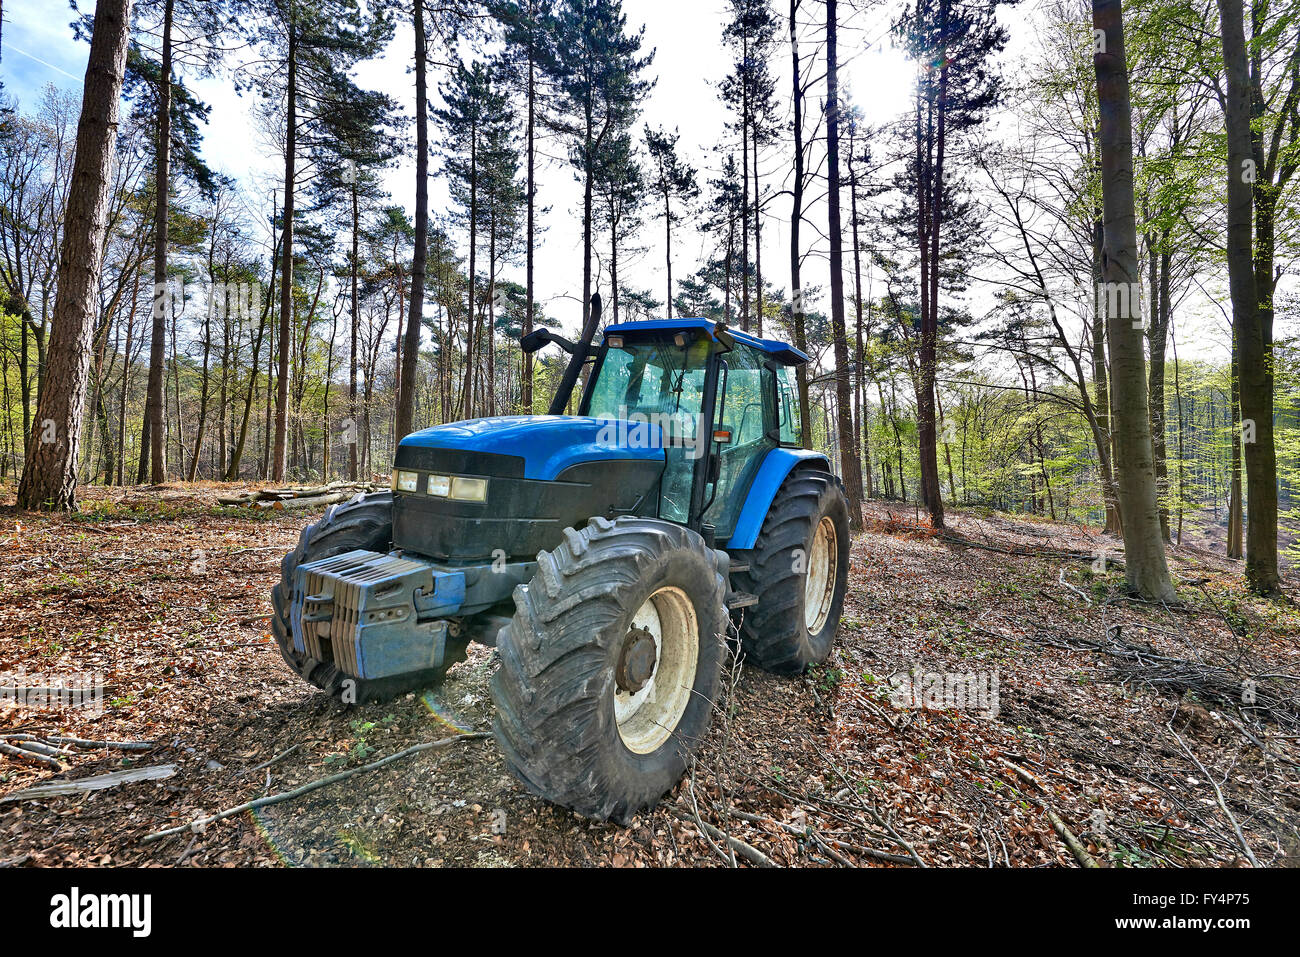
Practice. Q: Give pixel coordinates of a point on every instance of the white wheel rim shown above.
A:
(649, 717)
(819, 586)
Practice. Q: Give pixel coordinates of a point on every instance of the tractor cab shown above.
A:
(720, 400)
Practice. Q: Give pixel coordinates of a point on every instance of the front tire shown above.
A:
(611, 665)
(799, 569)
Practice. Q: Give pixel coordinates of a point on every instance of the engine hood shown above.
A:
(547, 444)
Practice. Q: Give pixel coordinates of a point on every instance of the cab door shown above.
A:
(747, 415)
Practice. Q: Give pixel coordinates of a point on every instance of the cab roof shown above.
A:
(779, 351)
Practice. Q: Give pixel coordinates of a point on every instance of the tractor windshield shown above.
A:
(656, 381)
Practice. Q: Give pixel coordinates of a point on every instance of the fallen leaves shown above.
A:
(166, 596)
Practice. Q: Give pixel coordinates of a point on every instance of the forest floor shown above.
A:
(1122, 727)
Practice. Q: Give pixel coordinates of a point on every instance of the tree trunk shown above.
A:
(668, 250)
(1144, 554)
(796, 219)
(744, 190)
(1157, 337)
(526, 373)
(1252, 336)
(849, 462)
(467, 393)
(1236, 547)
(758, 240)
(1101, 376)
(277, 463)
(157, 346)
(411, 348)
(860, 427)
(50, 473)
(232, 471)
(203, 395)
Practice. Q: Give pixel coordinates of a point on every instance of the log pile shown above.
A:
(294, 497)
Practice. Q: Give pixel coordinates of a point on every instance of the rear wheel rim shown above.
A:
(648, 718)
(819, 586)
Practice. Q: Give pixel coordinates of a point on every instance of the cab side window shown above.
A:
(788, 409)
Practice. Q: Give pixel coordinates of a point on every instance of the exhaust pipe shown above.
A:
(577, 358)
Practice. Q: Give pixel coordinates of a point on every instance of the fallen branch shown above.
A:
(40, 747)
(1076, 848)
(113, 745)
(303, 497)
(1052, 553)
(29, 757)
(1063, 832)
(307, 502)
(1218, 796)
(1074, 588)
(874, 814)
(747, 851)
(97, 783)
(872, 852)
(267, 764)
(203, 822)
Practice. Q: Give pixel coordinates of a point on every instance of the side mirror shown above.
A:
(535, 340)
(543, 337)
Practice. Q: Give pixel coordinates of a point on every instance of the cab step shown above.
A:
(741, 599)
(738, 567)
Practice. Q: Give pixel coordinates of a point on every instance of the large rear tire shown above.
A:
(611, 665)
(799, 569)
(365, 521)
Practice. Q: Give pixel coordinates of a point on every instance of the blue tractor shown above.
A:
(602, 554)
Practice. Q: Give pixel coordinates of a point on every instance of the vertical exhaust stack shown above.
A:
(579, 356)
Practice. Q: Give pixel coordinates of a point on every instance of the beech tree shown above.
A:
(1145, 568)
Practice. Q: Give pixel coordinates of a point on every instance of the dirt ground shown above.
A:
(1133, 732)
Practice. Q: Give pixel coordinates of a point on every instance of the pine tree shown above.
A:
(850, 464)
(49, 477)
(476, 127)
(797, 306)
(672, 179)
(953, 42)
(529, 38)
(176, 113)
(597, 74)
(749, 89)
(307, 44)
(621, 193)
(349, 149)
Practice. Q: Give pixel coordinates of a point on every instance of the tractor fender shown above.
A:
(776, 466)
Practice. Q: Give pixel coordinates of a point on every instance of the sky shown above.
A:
(689, 63)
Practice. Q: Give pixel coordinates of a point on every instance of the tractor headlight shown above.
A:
(468, 489)
(439, 485)
(406, 481)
